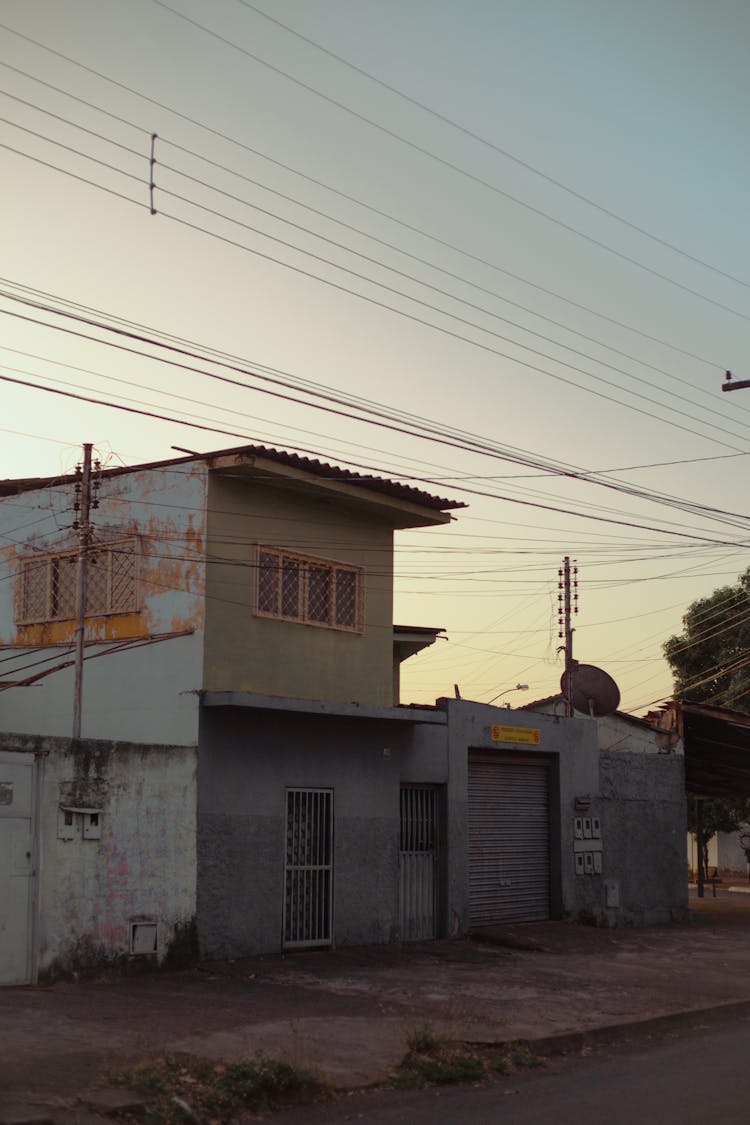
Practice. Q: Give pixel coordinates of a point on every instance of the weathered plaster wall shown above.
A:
(143, 694)
(271, 657)
(143, 868)
(643, 813)
(247, 759)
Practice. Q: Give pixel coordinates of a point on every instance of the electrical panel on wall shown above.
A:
(587, 845)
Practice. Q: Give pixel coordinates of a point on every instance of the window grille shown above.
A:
(49, 584)
(297, 588)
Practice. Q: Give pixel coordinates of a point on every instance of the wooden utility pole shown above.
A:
(566, 606)
(83, 503)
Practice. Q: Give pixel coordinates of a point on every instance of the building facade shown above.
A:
(248, 779)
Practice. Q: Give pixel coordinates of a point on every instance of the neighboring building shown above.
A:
(715, 742)
(248, 779)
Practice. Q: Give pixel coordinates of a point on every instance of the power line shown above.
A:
(390, 289)
(280, 164)
(492, 145)
(73, 176)
(431, 432)
(433, 288)
(509, 499)
(449, 164)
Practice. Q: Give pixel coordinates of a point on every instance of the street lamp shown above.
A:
(518, 687)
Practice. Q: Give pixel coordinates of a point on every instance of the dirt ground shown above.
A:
(349, 1012)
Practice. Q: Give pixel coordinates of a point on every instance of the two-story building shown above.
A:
(247, 779)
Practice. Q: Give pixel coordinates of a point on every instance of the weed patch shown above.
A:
(184, 1088)
(432, 1062)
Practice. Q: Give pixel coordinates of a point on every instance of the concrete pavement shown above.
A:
(348, 1013)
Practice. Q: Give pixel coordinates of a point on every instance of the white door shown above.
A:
(16, 851)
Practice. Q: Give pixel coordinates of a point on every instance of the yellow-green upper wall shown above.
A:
(245, 652)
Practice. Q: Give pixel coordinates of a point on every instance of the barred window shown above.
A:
(49, 583)
(315, 591)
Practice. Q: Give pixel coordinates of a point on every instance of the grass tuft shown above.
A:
(422, 1041)
(432, 1062)
(186, 1088)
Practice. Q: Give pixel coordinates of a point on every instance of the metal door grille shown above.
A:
(418, 862)
(509, 865)
(308, 868)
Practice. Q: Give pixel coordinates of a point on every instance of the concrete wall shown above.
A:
(286, 658)
(249, 756)
(247, 759)
(643, 813)
(570, 747)
(141, 694)
(143, 866)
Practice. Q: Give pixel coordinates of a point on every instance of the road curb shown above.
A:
(569, 1042)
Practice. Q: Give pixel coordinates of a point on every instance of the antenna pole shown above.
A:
(567, 605)
(84, 538)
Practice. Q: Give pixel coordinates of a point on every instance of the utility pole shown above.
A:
(83, 524)
(731, 384)
(567, 605)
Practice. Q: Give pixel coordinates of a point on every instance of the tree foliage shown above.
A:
(710, 660)
(725, 815)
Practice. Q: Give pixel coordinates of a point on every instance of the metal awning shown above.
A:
(716, 743)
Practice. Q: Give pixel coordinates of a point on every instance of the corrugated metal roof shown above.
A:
(384, 485)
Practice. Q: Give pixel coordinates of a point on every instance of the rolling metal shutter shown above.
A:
(509, 877)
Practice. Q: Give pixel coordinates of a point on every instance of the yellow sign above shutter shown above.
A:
(529, 736)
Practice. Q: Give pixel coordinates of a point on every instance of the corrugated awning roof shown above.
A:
(323, 469)
(716, 744)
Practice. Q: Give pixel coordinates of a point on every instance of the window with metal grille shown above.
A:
(49, 583)
(297, 588)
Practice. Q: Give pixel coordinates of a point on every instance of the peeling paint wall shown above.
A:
(139, 869)
(245, 652)
(140, 693)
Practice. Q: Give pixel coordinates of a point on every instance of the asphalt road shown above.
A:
(700, 1077)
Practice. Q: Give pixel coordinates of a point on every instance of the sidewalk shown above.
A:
(349, 1012)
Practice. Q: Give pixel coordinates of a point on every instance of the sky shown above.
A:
(515, 232)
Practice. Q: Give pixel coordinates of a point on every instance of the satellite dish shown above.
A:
(594, 690)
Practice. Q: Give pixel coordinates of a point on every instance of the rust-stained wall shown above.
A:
(143, 868)
(249, 653)
(140, 694)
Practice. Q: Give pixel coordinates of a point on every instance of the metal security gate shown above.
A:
(418, 862)
(509, 858)
(308, 868)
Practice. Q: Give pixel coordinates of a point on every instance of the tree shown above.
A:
(718, 815)
(710, 660)
(710, 663)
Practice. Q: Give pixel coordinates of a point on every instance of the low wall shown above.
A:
(115, 825)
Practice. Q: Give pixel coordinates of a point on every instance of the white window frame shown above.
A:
(47, 561)
(305, 564)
